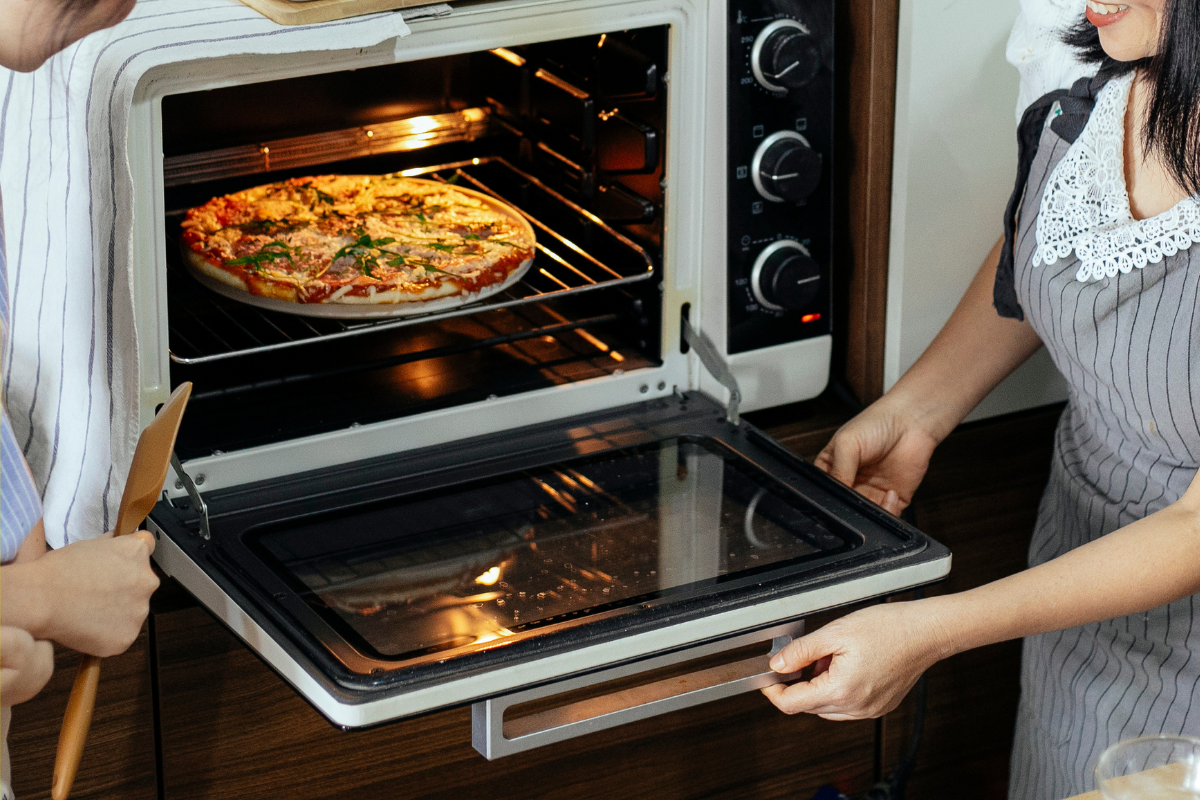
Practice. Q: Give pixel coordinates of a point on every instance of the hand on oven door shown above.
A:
(882, 454)
(864, 663)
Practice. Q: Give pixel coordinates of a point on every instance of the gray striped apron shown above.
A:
(1126, 446)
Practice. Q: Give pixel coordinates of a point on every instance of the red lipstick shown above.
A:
(1102, 20)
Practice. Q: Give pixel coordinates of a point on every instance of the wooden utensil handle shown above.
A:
(76, 722)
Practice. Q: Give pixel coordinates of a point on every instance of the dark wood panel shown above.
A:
(980, 499)
(866, 99)
(118, 760)
(231, 728)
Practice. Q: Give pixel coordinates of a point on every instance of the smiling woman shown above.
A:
(1096, 266)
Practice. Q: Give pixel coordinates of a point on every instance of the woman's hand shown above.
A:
(25, 665)
(104, 586)
(91, 596)
(882, 454)
(865, 662)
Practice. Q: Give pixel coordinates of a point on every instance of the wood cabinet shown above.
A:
(118, 761)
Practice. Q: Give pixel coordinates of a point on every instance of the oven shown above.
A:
(544, 503)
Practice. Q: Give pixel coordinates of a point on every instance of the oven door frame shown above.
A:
(894, 557)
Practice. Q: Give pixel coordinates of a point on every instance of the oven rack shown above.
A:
(412, 133)
(205, 327)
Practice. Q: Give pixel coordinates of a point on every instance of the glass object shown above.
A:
(1150, 768)
(434, 571)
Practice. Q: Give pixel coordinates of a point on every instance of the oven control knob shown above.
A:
(785, 168)
(785, 277)
(784, 56)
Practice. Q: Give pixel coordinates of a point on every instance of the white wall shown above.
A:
(955, 160)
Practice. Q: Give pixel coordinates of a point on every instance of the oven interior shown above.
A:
(570, 132)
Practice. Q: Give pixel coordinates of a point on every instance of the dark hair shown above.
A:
(1172, 127)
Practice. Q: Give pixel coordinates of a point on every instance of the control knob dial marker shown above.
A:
(785, 277)
(785, 168)
(784, 56)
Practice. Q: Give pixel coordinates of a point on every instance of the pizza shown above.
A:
(357, 240)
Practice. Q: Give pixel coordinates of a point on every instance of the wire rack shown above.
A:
(576, 252)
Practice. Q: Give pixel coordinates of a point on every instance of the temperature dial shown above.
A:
(784, 56)
(785, 277)
(785, 168)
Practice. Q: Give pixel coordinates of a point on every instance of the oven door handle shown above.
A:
(494, 738)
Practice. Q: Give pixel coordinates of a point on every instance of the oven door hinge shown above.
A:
(716, 366)
(194, 494)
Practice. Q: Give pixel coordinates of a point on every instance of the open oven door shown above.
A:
(505, 568)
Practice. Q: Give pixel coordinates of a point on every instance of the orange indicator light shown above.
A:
(810, 318)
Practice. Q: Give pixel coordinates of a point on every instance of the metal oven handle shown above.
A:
(495, 738)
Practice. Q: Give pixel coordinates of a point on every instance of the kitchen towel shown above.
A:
(71, 374)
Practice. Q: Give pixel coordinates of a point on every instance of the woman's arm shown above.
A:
(868, 661)
(883, 453)
(975, 350)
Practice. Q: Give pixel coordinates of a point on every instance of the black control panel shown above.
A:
(780, 171)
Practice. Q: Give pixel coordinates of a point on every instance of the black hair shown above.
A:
(1172, 127)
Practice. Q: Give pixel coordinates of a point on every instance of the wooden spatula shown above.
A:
(146, 477)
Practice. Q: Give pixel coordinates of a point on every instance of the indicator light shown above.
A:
(810, 318)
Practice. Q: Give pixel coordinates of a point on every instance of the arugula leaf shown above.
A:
(268, 225)
(454, 179)
(472, 237)
(322, 197)
(267, 254)
(366, 252)
(412, 261)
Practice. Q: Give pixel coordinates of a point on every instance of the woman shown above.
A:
(93, 595)
(1100, 274)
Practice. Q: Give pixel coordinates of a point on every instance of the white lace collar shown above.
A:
(1085, 207)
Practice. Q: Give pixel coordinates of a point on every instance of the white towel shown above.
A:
(71, 382)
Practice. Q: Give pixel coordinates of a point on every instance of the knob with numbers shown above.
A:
(784, 56)
(785, 277)
(785, 168)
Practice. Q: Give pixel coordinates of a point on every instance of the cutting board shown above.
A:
(289, 12)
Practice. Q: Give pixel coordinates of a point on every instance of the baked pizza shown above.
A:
(365, 240)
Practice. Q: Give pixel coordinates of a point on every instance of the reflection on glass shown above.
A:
(444, 569)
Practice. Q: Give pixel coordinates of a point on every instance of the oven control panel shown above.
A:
(780, 186)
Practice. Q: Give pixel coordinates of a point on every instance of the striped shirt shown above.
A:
(20, 506)
(74, 380)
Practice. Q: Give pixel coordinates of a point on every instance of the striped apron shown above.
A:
(1126, 446)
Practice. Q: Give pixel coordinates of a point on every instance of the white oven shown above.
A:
(552, 488)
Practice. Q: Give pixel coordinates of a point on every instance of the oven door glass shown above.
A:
(444, 569)
(399, 585)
